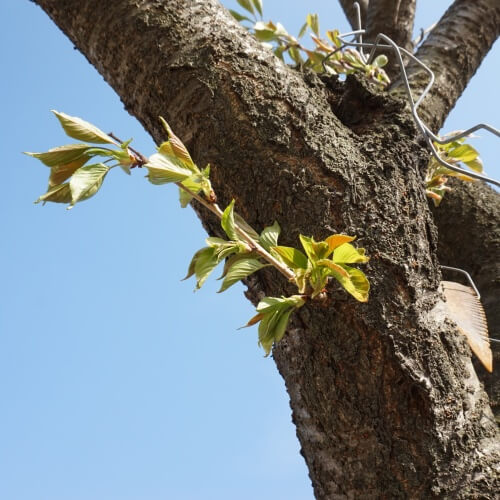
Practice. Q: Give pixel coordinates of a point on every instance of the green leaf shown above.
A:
(332, 266)
(60, 173)
(464, 153)
(194, 184)
(347, 254)
(295, 55)
(476, 165)
(265, 32)
(239, 17)
(175, 150)
(240, 270)
(227, 222)
(258, 6)
(269, 236)
(61, 155)
(163, 170)
(247, 228)
(247, 5)
(357, 284)
(290, 256)
(86, 181)
(57, 194)
(83, 131)
(312, 21)
(314, 249)
(303, 30)
(204, 265)
(274, 314)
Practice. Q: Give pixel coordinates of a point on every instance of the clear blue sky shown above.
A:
(116, 381)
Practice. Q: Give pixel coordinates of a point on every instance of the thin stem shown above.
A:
(215, 209)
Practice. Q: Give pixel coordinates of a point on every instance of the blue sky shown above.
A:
(116, 380)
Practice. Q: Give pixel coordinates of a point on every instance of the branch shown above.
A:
(350, 11)
(394, 19)
(454, 50)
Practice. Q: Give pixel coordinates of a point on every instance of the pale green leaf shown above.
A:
(61, 155)
(476, 165)
(239, 17)
(83, 131)
(312, 21)
(258, 6)
(243, 224)
(303, 30)
(227, 222)
(205, 263)
(335, 240)
(464, 152)
(86, 181)
(174, 149)
(240, 270)
(194, 184)
(162, 170)
(269, 236)
(290, 256)
(60, 173)
(56, 194)
(357, 284)
(247, 5)
(348, 254)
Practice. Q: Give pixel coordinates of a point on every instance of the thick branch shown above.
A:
(454, 50)
(393, 18)
(383, 394)
(350, 11)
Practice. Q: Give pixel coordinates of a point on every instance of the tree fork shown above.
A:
(383, 394)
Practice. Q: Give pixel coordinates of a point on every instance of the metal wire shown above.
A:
(429, 136)
(467, 275)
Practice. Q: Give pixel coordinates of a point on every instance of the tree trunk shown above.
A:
(384, 395)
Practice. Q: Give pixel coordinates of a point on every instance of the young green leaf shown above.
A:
(290, 256)
(247, 5)
(356, 284)
(269, 236)
(56, 194)
(194, 184)
(243, 224)
(239, 17)
(335, 240)
(240, 270)
(313, 22)
(175, 150)
(61, 155)
(162, 170)
(83, 131)
(464, 152)
(258, 6)
(86, 181)
(380, 61)
(347, 254)
(227, 222)
(60, 173)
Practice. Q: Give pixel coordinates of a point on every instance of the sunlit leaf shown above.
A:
(227, 222)
(476, 165)
(56, 194)
(269, 236)
(290, 256)
(203, 263)
(243, 224)
(312, 21)
(247, 5)
(356, 284)
(240, 270)
(258, 6)
(61, 173)
(83, 131)
(239, 17)
(348, 254)
(174, 149)
(61, 155)
(335, 240)
(162, 170)
(464, 152)
(86, 181)
(380, 61)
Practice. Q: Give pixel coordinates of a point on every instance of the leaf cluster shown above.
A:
(456, 153)
(243, 253)
(72, 179)
(326, 56)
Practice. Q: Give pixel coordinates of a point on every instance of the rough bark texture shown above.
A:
(453, 50)
(384, 396)
(350, 11)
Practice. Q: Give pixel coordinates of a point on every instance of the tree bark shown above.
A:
(383, 394)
